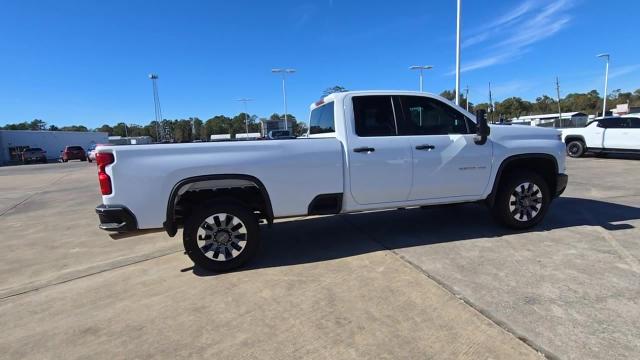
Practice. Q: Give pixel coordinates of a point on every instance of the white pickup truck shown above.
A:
(604, 135)
(365, 150)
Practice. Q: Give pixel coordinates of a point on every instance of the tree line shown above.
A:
(193, 128)
(176, 130)
(589, 103)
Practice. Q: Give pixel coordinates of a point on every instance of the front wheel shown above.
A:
(522, 200)
(575, 148)
(221, 237)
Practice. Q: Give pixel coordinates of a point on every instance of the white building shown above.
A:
(130, 140)
(13, 142)
(568, 119)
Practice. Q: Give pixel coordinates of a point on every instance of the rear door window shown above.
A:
(321, 120)
(373, 115)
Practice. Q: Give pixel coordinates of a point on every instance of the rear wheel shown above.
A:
(522, 200)
(221, 237)
(575, 148)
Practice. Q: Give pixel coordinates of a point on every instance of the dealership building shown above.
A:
(14, 142)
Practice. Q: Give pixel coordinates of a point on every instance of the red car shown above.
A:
(73, 153)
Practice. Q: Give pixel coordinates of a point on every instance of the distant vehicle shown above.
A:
(73, 153)
(280, 134)
(388, 150)
(604, 135)
(91, 156)
(34, 155)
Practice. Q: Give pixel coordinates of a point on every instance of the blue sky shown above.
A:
(86, 62)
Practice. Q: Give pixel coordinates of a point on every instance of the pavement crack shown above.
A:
(482, 311)
(132, 261)
(38, 191)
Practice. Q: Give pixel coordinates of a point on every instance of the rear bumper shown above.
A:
(561, 184)
(116, 218)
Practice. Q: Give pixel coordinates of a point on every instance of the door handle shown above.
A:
(364, 149)
(427, 147)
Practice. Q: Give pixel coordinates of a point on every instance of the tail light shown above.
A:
(104, 159)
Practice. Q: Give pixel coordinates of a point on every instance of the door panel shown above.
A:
(616, 138)
(456, 166)
(594, 136)
(446, 160)
(383, 175)
(379, 160)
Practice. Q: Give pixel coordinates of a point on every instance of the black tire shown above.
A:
(576, 148)
(524, 213)
(196, 251)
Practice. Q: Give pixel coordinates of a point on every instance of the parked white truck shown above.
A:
(605, 135)
(364, 151)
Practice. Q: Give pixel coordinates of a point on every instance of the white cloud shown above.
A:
(507, 38)
(623, 70)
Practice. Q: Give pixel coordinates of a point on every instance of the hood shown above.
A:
(523, 132)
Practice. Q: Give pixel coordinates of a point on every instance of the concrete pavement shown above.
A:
(436, 283)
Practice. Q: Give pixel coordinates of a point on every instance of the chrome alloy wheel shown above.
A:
(525, 201)
(222, 237)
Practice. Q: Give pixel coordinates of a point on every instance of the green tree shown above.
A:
(53, 128)
(80, 128)
(218, 125)
(451, 96)
(120, 129)
(105, 128)
(198, 129)
(333, 89)
(514, 107)
(37, 124)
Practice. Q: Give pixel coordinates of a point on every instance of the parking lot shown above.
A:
(415, 283)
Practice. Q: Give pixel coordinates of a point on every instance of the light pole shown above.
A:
(246, 119)
(421, 68)
(458, 53)
(156, 102)
(284, 73)
(606, 81)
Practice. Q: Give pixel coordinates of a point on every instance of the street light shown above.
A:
(421, 68)
(606, 81)
(284, 73)
(246, 119)
(458, 53)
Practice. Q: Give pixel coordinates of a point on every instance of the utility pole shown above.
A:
(491, 109)
(156, 102)
(559, 109)
(466, 96)
(246, 115)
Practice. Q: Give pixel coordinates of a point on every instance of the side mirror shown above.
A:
(483, 129)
